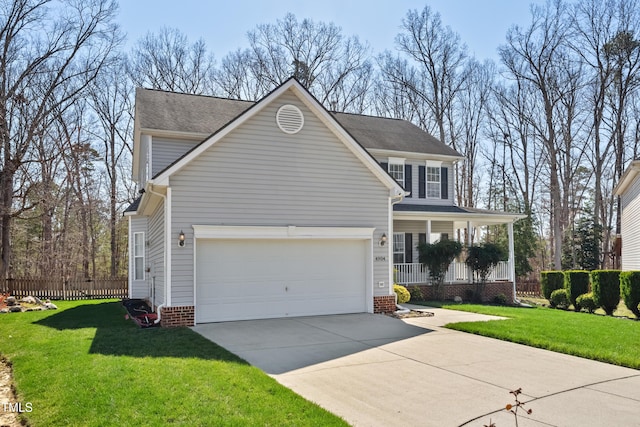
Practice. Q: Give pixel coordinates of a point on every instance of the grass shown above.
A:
(85, 365)
(607, 339)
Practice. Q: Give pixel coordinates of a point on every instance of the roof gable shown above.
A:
(316, 108)
(198, 115)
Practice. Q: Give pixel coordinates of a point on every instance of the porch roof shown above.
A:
(459, 215)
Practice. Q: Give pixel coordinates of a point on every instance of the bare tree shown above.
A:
(49, 54)
(167, 61)
(111, 102)
(537, 56)
(435, 71)
(336, 69)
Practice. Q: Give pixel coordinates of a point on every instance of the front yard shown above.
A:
(614, 340)
(86, 365)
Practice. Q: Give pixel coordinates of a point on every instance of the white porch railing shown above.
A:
(411, 273)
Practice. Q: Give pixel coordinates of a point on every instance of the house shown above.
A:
(629, 191)
(280, 208)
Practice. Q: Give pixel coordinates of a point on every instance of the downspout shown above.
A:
(164, 199)
(158, 310)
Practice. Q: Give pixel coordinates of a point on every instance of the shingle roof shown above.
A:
(134, 205)
(181, 112)
(169, 111)
(392, 134)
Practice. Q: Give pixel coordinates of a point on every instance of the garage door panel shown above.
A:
(253, 279)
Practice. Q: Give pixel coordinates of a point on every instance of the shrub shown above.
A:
(586, 302)
(605, 286)
(630, 290)
(416, 293)
(559, 299)
(550, 281)
(576, 282)
(500, 299)
(437, 257)
(402, 293)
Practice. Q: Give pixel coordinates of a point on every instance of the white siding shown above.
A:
(156, 255)
(417, 227)
(631, 227)
(138, 288)
(166, 151)
(259, 175)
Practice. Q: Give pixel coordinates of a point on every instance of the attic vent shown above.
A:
(290, 119)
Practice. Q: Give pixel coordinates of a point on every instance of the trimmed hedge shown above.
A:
(402, 293)
(576, 282)
(550, 281)
(630, 290)
(585, 301)
(560, 299)
(605, 286)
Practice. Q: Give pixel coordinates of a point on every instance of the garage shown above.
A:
(259, 278)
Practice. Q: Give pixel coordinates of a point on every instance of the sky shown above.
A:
(223, 25)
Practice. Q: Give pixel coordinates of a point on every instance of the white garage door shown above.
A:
(241, 279)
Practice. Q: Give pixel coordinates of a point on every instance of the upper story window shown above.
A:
(433, 179)
(433, 182)
(396, 169)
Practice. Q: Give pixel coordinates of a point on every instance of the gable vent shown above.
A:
(290, 119)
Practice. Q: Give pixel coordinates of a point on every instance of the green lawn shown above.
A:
(607, 339)
(84, 364)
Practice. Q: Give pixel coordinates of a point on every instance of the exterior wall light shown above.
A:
(383, 239)
(181, 239)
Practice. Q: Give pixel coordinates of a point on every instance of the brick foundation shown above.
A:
(384, 304)
(467, 290)
(172, 317)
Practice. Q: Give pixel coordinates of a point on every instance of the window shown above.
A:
(138, 256)
(398, 248)
(433, 182)
(397, 172)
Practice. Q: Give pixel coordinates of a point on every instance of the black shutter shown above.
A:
(408, 247)
(422, 238)
(422, 182)
(407, 179)
(385, 166)
(444, 183)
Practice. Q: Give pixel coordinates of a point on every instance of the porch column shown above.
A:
(428, 240)
(512, 262)
(469, 241)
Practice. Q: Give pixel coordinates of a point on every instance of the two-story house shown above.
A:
(628, 243)
(279, 207)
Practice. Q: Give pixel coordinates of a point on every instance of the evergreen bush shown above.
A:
(586, 302)
(559, 299)
(576, 282)
(605, 285)
(630, 290)
(550, 281)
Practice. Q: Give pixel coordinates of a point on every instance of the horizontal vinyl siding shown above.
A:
(259, 175)
(139, 288)
(156, 253)
(167, 151)
(630, 227)
(417, 227)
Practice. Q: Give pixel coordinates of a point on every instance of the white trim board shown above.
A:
(291, 232)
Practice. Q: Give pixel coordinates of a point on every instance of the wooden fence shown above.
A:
(528, 288)
(66, 289)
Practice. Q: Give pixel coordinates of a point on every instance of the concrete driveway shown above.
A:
(374, 370)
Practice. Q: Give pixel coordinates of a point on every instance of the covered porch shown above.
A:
(417, 224)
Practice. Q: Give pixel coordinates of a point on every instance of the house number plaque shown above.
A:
(381, 258)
